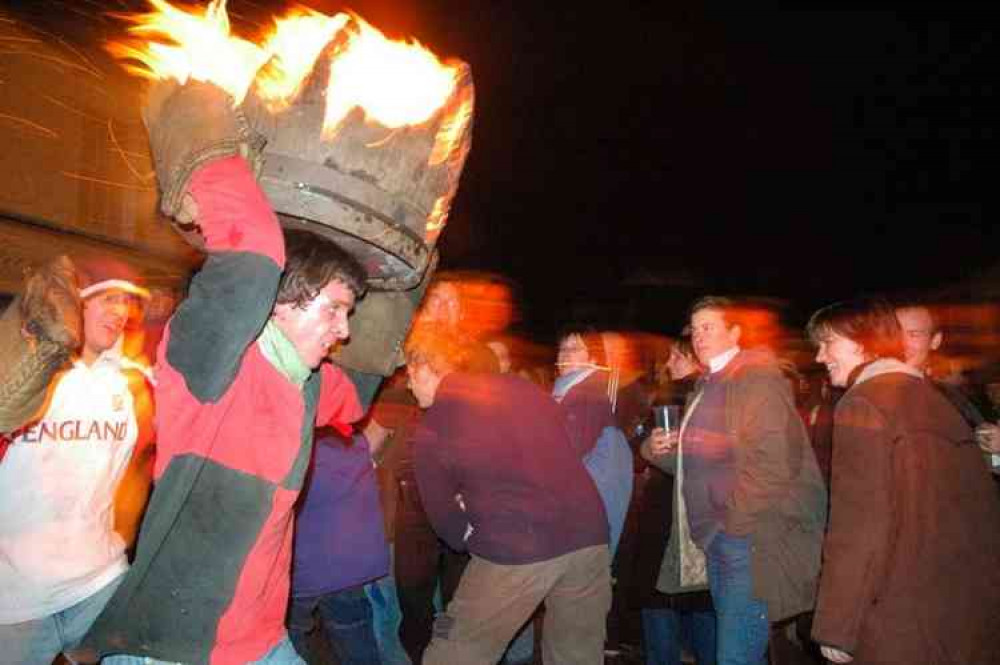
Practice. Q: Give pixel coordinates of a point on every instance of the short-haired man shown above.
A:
(752, 496)
(241, 384)
(922, 337)
(61, 557)
(499, 477)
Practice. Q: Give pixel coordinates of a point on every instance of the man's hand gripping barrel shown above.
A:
(190, 125)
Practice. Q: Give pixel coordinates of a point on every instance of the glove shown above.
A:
(50, 307)
(39, 331)
(190, 125)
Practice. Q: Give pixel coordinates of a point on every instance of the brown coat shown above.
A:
(779, 500)
(911, 570)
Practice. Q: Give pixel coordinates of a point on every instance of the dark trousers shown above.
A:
(422, 563)
(347, 618)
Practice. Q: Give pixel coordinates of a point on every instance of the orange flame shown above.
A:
(451, 131)
(395, 83)
(296, 43)
(438, 217)
(201, 48)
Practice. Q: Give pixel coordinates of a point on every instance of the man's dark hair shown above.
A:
(869, 321)
(727, 306)
(312, 262)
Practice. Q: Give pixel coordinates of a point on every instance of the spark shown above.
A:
(71, 109)
(25, 121)
(59, 61)
(101, 181)
(121, 153)
(133, 154)
(97, 72)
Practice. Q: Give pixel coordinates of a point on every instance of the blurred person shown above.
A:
(683, 370)
(242, 383)
(673, 616)
(516, 354)
(499, 476)
(541, 375)
(910, 563)
(820, 402)
(382, 592)
(388, 427)
(752, 503)
(425, 568)
(581, 388)
(501, 350)
(629, 389)
(66, 518)
(340, 547)
(522, 647)
(922, 337)
(450, 307)
(628, 385)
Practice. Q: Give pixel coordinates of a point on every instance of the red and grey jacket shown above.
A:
(210, 581)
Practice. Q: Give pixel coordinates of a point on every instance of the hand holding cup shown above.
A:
(988, 437)
(662, 442)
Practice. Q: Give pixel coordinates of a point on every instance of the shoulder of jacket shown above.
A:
(756, 372)
(866, 397)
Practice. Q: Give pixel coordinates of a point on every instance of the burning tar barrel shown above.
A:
(383, 194)
(380, 189)
(366, 139)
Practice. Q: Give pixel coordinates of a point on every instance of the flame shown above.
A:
(451, 130)
(201, 47)
(394, 83)
(439, 215)
(295, 45)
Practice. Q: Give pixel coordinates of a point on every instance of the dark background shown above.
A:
(631, 157)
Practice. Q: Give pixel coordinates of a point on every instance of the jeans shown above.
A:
(385, 608)
(283, 653)
(41, 640)
(347, 618)
(743, 627)
(522, 648)
(664, 630)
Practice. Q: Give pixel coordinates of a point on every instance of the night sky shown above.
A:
(628, 159)
(805, 155)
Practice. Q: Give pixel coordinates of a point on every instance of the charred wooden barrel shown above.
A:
(383, 194)
(76, 175)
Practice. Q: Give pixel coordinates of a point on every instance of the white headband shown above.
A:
(123, 285)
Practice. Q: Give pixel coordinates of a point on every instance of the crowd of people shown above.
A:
(238, 503)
